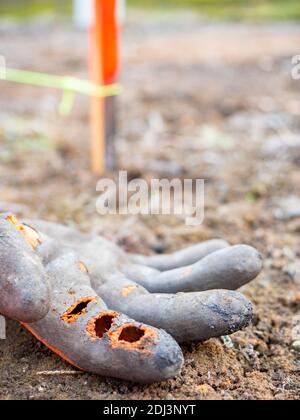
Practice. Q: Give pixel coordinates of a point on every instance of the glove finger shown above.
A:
(83, 331)
(181, 258)
(187, 317)
(24, 289)
(229, 268)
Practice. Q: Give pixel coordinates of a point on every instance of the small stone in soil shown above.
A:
(296, 345)
(227, 341)
(287, 208)
(293, 270)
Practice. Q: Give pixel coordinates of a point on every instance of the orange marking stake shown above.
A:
(97, 111)
(104, 68)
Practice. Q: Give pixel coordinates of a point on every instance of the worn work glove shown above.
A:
(84, 271)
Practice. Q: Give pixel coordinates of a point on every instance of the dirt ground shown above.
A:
(201, 100)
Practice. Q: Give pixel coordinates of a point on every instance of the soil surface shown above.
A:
(201, 100)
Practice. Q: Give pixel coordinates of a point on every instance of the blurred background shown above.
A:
(222, 9)
(207, 93)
